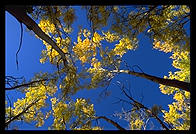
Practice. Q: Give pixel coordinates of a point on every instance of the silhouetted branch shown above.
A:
(18, 115)
(19, 45)
(25, 85)
(140, 105)
(20, 14)
(168, 82)
(111, 121)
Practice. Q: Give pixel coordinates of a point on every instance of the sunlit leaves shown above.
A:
(64, 114)
(124, 45)
(100, 52)
(165, 47)
(170, 23)
(136, 121)
(136, 124)
(47, 26)
(82, 48)
(30, 107)
(97, 38)
(110, 37)
(172, 116)
(95, 63)
(179, 111)
(51, 53)
(87, 47)
(181, 60)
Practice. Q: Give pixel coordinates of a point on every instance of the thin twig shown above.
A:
(21, 35)
(139, 105)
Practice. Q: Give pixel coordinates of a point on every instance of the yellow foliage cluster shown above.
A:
(95, 63)
(181, 61)
(70, 82)
(124, 45)
(82, 48)
(86, 51)
(81, 105)
(97, 38)
(63, 113)
(37, 95)
(52, 53)
(172, 34)
(88, 128)
(183, 9)
(67, 29)
(172, 116)
(110, 37)
(163, 46)
(86, 48)
(98, 75)
(62, 43)
(179, 111)
(136, 124)
(47, 26)
(59, 111)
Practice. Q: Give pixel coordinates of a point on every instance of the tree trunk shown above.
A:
(20, 14)
(167, 82)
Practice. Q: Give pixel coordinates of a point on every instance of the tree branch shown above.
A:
(20, 14)
(19, 44)
(140, 105)
(25, 85)
(111, 121)
(18, 115)
(168, 82)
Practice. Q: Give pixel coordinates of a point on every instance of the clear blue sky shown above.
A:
(151, 61)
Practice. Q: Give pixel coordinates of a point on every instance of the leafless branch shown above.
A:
(140, 105)
(168, 82)
(111, 121)
(26, 84)
(21, 35)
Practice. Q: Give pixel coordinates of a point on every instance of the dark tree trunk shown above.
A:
(20, 14)
(168, 82)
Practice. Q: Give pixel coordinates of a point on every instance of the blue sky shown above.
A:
(151, 61)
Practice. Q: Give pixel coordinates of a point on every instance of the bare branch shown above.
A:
(19, 45)
(111, 121)
(140, 105)
(168, 82)
(25, 85)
